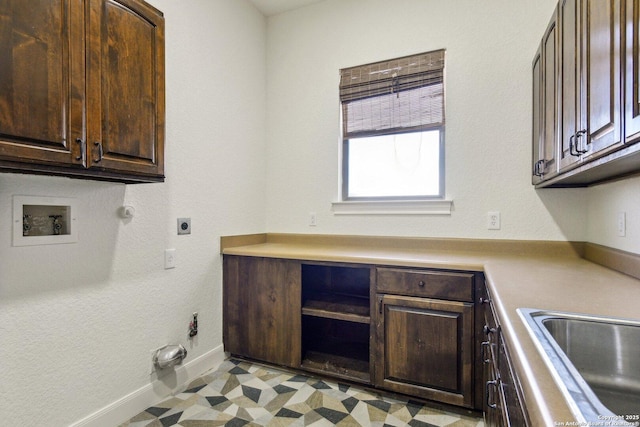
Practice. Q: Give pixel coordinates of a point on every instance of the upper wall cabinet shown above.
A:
(593, 110)
(82, 89)
(545, 117)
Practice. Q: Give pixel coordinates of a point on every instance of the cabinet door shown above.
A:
(126, 87)
(512, 407)
(492, 403)
(425, 348)
(545, 73)
(632, 72)
(600, 64)
(262, 306)
(41, 81)
(569, 49)
(550, 103)
(536, 130)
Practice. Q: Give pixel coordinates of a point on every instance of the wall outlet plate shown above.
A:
(184, 225)
(493, 220)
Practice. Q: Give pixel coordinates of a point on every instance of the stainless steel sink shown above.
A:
(595, 360)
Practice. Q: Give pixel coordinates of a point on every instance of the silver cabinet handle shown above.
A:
(578, 135)
(100, 151)
(493, 384)
(83, 149)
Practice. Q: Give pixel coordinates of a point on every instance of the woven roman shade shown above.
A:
(399, 95)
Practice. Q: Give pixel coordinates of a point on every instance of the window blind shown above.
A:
(394, 96)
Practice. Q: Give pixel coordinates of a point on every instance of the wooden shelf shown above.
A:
(338, 366)
(340, 307)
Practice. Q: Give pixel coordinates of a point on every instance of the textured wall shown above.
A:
(605, 202)
(490, 46)
(78, 321)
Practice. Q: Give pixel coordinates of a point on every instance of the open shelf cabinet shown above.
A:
(336, 320)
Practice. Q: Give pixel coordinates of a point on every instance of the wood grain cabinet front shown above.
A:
(425, 329)
(502, 398)
(261, 309)
(406, 330)
(425, 348)
(585, 95)
(82, 89)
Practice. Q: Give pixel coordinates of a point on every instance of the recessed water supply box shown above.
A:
(42, 220)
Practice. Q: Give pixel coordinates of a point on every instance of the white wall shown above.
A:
(78, 321)
(605, 202)
(490, 46)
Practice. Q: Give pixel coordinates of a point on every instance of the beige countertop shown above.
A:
(542, 275)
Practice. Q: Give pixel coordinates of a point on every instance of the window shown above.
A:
(393, 128)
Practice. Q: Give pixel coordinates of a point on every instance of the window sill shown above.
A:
(393, 207)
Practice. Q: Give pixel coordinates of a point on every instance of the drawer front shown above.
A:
(426, 283)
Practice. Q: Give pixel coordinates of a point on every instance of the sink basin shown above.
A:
(595, 360)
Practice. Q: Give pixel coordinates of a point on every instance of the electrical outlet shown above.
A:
(313, 219)
(622, 224)
(493, 220)
(169, 258)
(184, 225)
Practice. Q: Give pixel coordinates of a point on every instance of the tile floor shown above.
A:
(244, 394)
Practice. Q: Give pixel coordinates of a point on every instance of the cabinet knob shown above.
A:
(487, 330)
(421, 283)
(483, 300)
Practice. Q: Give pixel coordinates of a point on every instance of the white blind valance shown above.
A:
(399, 95)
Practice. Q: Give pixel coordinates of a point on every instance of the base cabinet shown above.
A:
(410, 331)
(502, 396)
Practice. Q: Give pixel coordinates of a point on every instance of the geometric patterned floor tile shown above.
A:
(239, 394)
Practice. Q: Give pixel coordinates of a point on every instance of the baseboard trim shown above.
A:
(132, 404)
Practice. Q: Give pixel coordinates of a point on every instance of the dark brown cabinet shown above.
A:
(596, 56)
(261, 309)
(502, 402)
(545, 92)
(631, 65)
(425, 334)
(591, 80)
(82, 89)
(41, 107)
(425, 348)
(411, 331)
